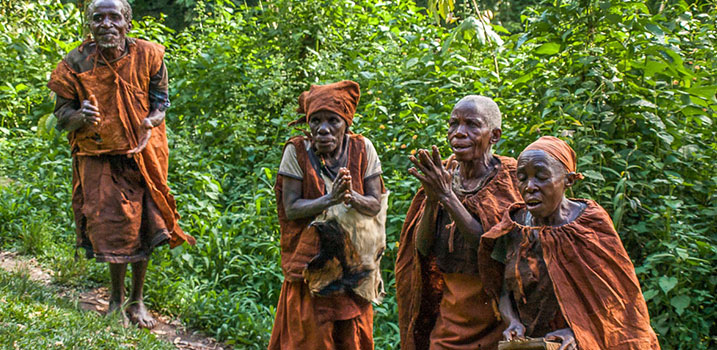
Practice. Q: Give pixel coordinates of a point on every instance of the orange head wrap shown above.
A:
(340, 98)
(559, 150)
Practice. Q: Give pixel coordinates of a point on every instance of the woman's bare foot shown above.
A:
(138, 314)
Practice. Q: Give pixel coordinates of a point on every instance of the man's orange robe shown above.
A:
(302, 320)
(592, 276)
(121, 89)
(420, 284)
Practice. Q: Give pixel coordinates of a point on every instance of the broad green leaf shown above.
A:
(649, 294)
(667, 283)
(548, 49)
(680, 303)
(592, 174)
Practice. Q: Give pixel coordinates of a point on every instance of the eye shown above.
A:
(96, 18)
(313, 121)
(520, 176)
(334, 120)
(543, 175)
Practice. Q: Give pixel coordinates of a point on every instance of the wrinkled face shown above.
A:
(469, 134)
(327, 131)
(542, 181)
(108, 25)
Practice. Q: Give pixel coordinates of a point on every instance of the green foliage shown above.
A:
(631, 88)
(33, 317)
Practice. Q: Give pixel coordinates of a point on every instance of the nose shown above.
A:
(323, 128)
(530, 186)
(460, 131)
(105, 22)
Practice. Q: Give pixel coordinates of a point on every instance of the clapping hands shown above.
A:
(436, 179)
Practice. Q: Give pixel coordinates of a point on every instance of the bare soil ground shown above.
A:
(97, 300)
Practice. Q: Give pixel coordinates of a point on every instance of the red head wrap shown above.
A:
(559, 150)
(340, 98)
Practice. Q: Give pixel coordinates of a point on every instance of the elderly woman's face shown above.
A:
(469, 133)
(108, 25)
(327, 131)
(542, 182)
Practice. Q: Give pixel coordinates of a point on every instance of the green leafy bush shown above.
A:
(630, 87)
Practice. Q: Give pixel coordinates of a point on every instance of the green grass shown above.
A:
(32, 316)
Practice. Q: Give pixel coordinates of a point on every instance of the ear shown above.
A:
(495, 135)
(570, 179)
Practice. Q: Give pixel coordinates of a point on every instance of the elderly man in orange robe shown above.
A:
(111, 98)
(441, 301)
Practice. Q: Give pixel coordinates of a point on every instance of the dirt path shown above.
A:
(97, 300)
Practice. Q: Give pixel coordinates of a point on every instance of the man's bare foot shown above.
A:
(114, 306)
(138, 314)
(114, 309)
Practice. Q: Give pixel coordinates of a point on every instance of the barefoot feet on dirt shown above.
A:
(115, 308)
(138, 314)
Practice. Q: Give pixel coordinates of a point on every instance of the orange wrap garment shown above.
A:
(121, 89)
(420, 284)
(303, 321)
(592, 275)
(341, 98)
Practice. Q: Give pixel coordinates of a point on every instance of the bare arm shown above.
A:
(426, 231)
(296, 207)
(370, 202)
(438, 182)
(467, 225)
(72, 114)
(515, 329)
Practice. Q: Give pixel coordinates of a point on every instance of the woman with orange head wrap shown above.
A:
(329, 168)
(563, 270)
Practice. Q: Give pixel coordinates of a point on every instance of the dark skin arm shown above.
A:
(437, 181)
(425, 233)
(341, 192)
(370, 202)
(155, 118)
(515, 329)
(71, 117)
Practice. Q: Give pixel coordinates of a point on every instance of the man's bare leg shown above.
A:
(117, 274)
(136, 310)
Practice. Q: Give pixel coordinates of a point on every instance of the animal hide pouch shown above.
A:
(351, 247)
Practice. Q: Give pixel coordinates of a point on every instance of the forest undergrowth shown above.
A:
(631, 86)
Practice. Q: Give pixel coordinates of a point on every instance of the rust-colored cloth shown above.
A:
(121, 88)
(341, 98)
(120, 224)
(592, 275)
(299, 244)
(420, 284)
(462, 305)
(526, 271)
(559, 150)
(298, 326)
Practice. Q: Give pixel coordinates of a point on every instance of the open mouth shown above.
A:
(533, 203)
(459, 148)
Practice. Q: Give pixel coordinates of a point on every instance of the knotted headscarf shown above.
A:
(559, 150)
(340, 98)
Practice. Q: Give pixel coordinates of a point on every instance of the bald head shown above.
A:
(483, 106)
